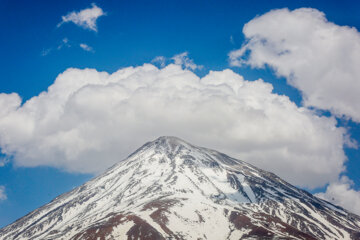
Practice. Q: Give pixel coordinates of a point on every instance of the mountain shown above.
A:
(170, 189)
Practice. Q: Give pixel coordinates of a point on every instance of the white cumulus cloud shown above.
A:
(85, 18)
(88, 120)
(341, 193)
(2, 193)
(316, 56)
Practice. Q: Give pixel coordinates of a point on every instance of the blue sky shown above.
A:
(35, 50)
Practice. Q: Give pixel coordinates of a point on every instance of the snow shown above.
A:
(238, 234)
(119, 232)
(250, 194)
(191, 187)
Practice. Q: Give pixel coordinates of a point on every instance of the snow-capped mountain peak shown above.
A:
(170, 189)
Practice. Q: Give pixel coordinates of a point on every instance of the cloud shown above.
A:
(341, 193)
(88, 120)
(2, 193)
(4, 160)
(85, 18)
(316, 56)
(45, 52)
(86, 47)
(159, 60)
(64, 43)
(183, 59)
(232, 41)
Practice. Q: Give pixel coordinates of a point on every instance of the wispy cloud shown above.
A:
(183, 59)
(64, 43)
(46, 51)
(86, 47)
(159, 60)
(3, 195)
(232, 41)
(85, 18)
(4, 160)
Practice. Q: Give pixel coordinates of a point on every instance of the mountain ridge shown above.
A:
(170, 189)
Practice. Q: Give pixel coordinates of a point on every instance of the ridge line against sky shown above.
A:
(254, 107)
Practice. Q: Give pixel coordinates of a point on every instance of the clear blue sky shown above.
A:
(131, 33)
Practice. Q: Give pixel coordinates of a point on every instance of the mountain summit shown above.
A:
(170, 189)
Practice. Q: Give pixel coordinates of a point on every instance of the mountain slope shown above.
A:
(170, 189)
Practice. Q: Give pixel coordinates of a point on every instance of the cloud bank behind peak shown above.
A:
(88, 120)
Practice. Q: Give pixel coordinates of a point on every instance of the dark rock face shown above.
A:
(170, 189)
(140, 230)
